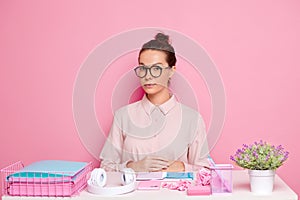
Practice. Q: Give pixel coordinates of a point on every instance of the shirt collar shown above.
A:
(164, 108)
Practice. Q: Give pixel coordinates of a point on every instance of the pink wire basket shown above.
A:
(42, 184)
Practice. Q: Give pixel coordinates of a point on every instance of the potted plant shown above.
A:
(261, 159)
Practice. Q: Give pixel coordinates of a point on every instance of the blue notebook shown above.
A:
(50, 168)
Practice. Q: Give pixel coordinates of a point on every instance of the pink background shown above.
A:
(255, 45)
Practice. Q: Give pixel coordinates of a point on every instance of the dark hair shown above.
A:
(161, 43)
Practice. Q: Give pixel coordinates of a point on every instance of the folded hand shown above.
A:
(149, 164)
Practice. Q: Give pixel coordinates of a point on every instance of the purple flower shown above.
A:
(268, 157)
(286, 155)
(255, 154)
(247, 159)
(239, 151)
(232, 158)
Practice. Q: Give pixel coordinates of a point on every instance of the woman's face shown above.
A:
(150, 84)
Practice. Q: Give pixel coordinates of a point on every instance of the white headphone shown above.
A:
(97, 182)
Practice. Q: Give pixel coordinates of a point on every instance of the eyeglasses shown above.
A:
(155, 71)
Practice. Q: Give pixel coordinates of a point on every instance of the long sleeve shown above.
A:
(198, 150)
(111, 155)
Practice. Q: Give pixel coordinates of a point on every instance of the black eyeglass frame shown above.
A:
(150, 69)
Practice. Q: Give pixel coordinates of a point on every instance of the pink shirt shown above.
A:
(171, 130)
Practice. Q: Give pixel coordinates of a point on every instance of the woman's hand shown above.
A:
(175, 166)
(149, 164)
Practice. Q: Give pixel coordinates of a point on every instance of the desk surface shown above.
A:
(241, 190)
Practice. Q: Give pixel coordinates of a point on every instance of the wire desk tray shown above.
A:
(15, 182)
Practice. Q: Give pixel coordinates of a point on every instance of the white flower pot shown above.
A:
(261, 181)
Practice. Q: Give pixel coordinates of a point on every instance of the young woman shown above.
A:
(156, 133)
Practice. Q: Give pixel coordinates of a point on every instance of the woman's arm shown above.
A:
(111, 154)
(198, 151)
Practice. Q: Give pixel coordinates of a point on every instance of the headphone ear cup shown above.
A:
(128, 176)
(97, 181)
(98, 177)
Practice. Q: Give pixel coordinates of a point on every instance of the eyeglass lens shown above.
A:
(141, 71)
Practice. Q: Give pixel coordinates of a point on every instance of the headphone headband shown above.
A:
(97, 182)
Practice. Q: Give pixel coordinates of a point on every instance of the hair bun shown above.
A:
(162, 38)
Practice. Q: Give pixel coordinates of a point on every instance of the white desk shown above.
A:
(241, 191)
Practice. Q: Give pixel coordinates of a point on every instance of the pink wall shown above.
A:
(255, 45)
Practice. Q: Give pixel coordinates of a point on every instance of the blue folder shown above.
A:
(50, 168)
